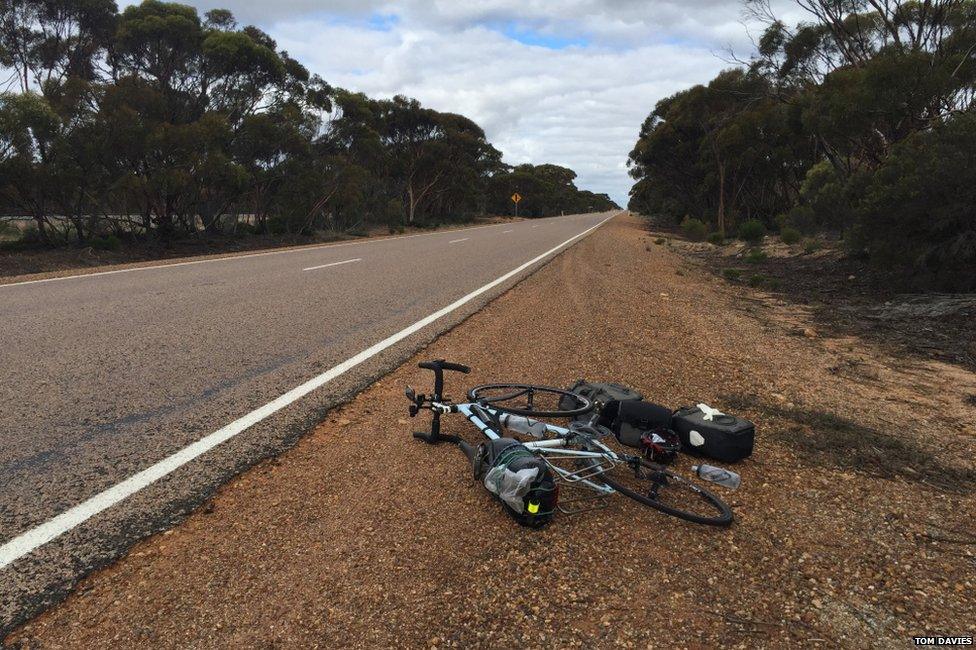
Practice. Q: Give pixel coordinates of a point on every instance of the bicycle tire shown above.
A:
(531, 389)
(722, 512)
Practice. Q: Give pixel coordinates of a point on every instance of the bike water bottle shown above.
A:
(520, 424)
(724, 477)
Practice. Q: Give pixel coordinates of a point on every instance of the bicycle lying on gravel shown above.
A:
(576, 455)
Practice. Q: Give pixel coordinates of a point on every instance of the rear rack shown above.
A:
(576, 473)
(585, 495)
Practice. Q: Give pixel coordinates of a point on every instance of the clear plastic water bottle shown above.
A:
(520, 424)
(724, 477)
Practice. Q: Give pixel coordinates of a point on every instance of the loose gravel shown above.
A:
(853, 523)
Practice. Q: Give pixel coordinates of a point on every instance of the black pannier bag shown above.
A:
(644, 426)
(634, 422)
(519, 479)
(630, 420)
(603, 395)
(707, 432)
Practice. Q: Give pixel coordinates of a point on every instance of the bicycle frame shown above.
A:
(547, 447)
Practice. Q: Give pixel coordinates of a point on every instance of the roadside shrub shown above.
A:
(244, 228)
(660, 241)
(756, 280)
(752, 231)
(756, 256)
(731, 274)
(803, 218)
(277, 226)
(30, 235)
(916, 210)
(393, 215)
(827, 197)
(716, 239)
(790, 235)
(694, 229)
(811, 246)
(107, 243)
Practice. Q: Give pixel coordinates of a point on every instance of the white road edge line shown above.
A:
(228, 258)
(458, 241)
(505, 232)
(325, 266)
(27, 542)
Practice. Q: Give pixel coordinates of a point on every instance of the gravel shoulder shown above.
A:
(853, 523)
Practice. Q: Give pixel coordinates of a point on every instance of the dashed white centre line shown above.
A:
(507, 231)
(325, 266)
(536, 226)
(458, 241)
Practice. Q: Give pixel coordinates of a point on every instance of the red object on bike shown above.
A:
(660, 445)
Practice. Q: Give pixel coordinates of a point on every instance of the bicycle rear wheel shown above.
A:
(661, 489)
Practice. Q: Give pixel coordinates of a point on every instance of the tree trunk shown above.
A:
(211, 220)
(41, 222)
(79, 224)
(721, 199)
(411, 205)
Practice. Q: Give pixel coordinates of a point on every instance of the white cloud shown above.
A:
(567, 82)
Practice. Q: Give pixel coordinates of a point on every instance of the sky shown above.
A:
(551, 81)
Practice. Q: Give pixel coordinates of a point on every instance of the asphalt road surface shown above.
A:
(109, 379)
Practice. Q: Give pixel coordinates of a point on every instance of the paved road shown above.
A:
(104, 376)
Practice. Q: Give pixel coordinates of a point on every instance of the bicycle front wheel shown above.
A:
(661, 489)
(531, 401)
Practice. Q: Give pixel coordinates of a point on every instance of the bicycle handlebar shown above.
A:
(440, 364)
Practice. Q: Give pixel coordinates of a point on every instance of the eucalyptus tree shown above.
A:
(46, 42)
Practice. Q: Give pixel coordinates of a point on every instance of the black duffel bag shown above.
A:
(603, 395)
(634, 422)
(644, 426)
(630, 420)
(714, 435)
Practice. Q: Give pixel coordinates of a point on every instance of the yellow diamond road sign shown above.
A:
(516, 197)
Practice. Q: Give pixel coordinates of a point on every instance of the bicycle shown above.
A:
(576, 454)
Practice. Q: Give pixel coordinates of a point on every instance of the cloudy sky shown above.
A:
(561, 81)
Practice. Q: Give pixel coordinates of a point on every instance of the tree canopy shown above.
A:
(828, 121)
(545, 190)
(159, 121)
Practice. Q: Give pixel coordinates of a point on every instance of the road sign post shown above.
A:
(516, 199)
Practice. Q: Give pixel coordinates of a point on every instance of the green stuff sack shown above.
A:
(519, 479)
